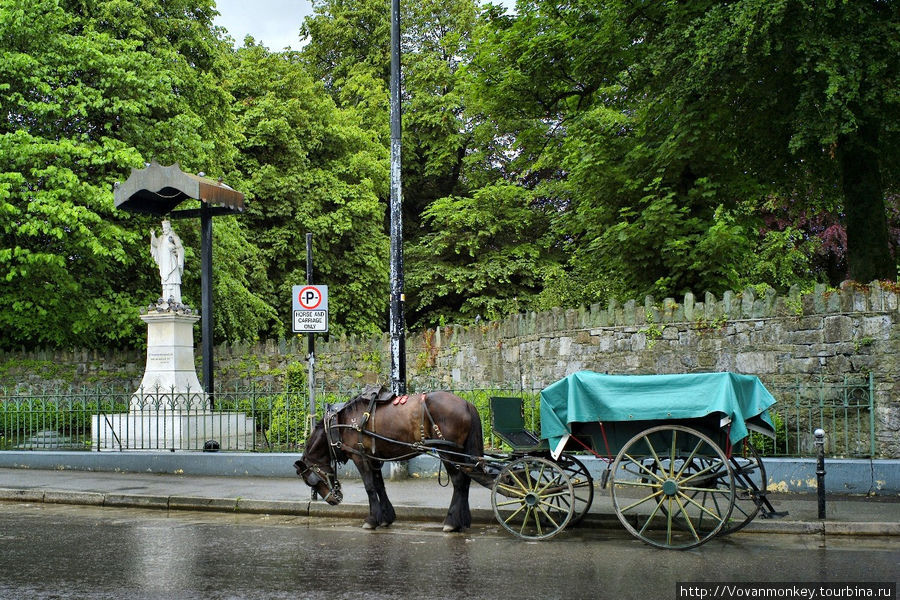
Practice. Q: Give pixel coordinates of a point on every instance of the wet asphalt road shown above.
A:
(75, 552)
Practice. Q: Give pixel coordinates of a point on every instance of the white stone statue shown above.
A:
(168, 252)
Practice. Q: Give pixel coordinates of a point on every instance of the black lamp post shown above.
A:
(397, 325)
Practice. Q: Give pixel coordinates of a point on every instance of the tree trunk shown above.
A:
(868, 250)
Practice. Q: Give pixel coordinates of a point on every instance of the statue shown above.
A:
(168, 252)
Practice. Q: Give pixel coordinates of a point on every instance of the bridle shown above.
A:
(314, 474)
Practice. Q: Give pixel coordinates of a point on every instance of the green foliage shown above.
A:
(309, 166)
(560, 155)
(486, 255)
(295, 377)
(23, 417)
(89, 90)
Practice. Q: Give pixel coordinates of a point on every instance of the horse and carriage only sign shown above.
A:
(310, 307)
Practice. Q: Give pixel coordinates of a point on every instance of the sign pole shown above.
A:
(310, 344)
(311, 355)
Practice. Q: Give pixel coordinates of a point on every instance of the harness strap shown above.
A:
(434, 426)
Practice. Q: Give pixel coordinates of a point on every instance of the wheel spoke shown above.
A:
(644, 469)
(546, 513)
(703, 489)
(652, 514)
(516, 512)
(652, 452)
(639, 502)
(511, 490)
(690, 459)
(672, 455)
(693, 476)
(669, 521)
(632, 483)
(687, 518)
(701, 507)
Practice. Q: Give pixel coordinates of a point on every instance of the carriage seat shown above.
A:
(508, 422)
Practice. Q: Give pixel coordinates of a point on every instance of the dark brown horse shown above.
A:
(378, 426)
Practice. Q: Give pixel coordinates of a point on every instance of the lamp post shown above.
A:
(397, 300)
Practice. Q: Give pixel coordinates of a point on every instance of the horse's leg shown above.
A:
(459, 516)
(367, 472)
(387, 515)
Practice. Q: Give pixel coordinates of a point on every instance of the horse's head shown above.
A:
(317, 469)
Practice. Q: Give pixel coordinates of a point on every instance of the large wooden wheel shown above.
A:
(749, 486)
(672, 487)
(582, 486)
(533, 498)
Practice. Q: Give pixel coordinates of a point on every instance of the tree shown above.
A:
(89, 89)
(486, 256)
(807, 91)
(665, 132)
(309, 166)
(638, 207)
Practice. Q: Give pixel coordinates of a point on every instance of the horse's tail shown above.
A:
(474, 448)
(474, 444)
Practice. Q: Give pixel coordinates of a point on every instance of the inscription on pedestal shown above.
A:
(157, 360)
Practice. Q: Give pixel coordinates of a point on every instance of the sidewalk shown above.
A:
(421, 499)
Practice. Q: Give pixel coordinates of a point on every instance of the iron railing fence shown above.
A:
(845, 410)
(272, 418)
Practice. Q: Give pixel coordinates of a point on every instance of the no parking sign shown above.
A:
(310, 308)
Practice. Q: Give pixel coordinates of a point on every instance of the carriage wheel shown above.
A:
(749, 483)
(749, 486)
(533, 498)
(582, 486)
(668, 488)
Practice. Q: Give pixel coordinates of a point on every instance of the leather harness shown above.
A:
(427, 425)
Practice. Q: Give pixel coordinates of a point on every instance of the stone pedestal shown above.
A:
(170, 379)
(170, 410)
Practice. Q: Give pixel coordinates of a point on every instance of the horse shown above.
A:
(378, 426)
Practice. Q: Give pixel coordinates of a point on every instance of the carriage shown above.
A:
(679, 466)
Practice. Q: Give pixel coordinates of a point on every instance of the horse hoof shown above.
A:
(384, 524)
(368, 525)
(451, 529)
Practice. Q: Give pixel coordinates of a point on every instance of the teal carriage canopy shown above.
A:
(588, 397)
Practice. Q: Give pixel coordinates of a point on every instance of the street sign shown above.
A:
(310, 308)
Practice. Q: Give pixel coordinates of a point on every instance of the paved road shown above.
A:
(74, 552)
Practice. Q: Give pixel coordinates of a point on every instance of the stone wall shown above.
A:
(822, 336)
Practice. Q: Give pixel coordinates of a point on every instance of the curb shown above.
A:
(411, 513)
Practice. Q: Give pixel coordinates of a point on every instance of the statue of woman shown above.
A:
(168, 252)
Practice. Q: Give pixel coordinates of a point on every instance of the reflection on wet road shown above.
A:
(70, 552)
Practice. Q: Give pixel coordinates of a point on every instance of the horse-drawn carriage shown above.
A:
(679, 467)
